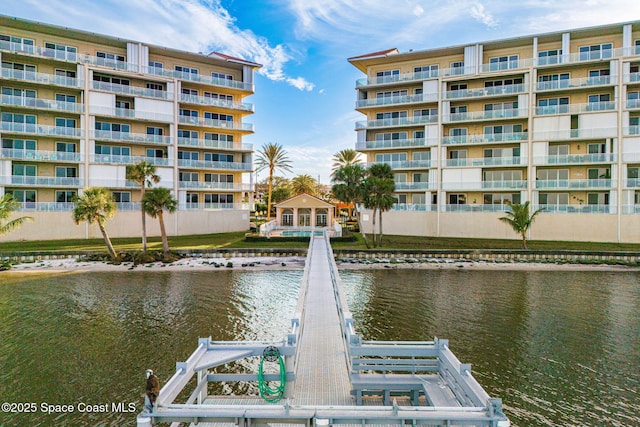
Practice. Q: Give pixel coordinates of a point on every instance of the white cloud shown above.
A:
(479, 13)
(418, 10)
(192, 25)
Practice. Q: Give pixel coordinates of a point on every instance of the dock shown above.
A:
(330, 375)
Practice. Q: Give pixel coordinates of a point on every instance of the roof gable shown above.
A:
(304, 200)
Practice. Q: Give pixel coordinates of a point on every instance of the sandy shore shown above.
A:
(294, 263)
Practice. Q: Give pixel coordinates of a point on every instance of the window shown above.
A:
(501, 106)
(402, 199)
(552, 174)
(387, 76)
(500, 198)
(20, 93)
(458, 86)
(218, 137)
(17, 43)
(113, 127)
(599, 102)
(632, 172)
(217, 116)
(188, 177)
(60, 51)
(188, 113)
(391, 115)
(599, 173)
(637, 44)
(457, 199)
(222, 199)
(506, 175)
(418, 199)
(553, 81)
(457, 154)
(551, 56)
(214, 177)
(109, 59)
(155, 86)
(191, 134)
(221, 76)
(553, 198)
(422, 155)
(459, 109)
(400, 178)
(186, 70)
(66, 73)
(501, 152)
(501, 129)
(121, 196)
(599, 73)
(417, 134)
(457, 68)
(503, 62)
(19, 118)
(596, 51)
(215, 157)
(596, 148)
(154, 131)
(458, 132)
(553, 105)
(65, 123)
(191, 92)
(420, 177)
(427, 112)
(192, 198)
(187, 155)
(65, 196)
(503, 82)
(19, 144)
(20, 169)
(218, 96)
(157, 153)
(19, 67)
(390, 136)
(66, 147)
(62, 97)
(66, 172)
(23, 196)
(391, 157)
(426, 70)
(391, 94)
(597, 198)
(110, 79)
(155, 64)
(558, 150)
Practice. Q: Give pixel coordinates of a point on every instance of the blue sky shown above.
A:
(305, 91)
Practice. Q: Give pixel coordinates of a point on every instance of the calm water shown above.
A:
(560, 348)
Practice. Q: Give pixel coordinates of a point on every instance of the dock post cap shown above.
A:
(143, 421)
(321, 421)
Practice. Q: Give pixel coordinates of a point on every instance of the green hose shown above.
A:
(272, 394)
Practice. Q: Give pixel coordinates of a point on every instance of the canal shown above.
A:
(561, 348)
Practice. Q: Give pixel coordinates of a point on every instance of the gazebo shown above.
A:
(304, 210)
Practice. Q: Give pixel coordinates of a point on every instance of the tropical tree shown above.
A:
(272, 156)
(378, 191)
(520, 220)
(347, 187)
(304, 184)
(345, 157)
(96, 205)
(7, 205)
(143, 174)
(155, 202)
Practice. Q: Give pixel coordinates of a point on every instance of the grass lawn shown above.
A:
(236, 240)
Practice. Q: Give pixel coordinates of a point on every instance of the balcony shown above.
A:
(131, 90)
(114, 183)
(507, 65)
(631, 209)
(484, 92)
(632, 183)
(405, 164)
(200, 78)
(477, 208)
(631, 130)
(208, 164)
(574, 184)
(220, 124)
(397, 122)
(42, 130)
(108, 135)
(38, 155)
(415, 186)
(128, 160)
(485, 185)
(212, 206)
(632, 77)
(396, 143)
(47, 79)
(485, 138)
(581, 209)
(633, 103)
(132, 114)
(414, 77)
(209, 143)
(575, 108)
(586, 82)
(204, 100)
(508, 113)
(397, 100)
(413, 207)
(41, 181)
(487, 161)
(42, 104)
(200, 185)
(579, 57)
(568, 134)
(575, 159)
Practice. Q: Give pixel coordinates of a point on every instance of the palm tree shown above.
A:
(520, 220)
(7, 205)
(96, 205)
(304, 184)
(345, 157)
(143, 174)
(378, 188)
(155, 202)
(347, 187)
(272, 156)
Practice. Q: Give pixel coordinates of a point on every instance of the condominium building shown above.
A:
(78, 107)
(553, 119)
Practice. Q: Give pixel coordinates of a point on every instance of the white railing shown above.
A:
(35, 129)
(575, 108)
(575, 158)
(40, 103)
(48, 79)
(484, 138)
(574, 183)
(396, 143)
(487, 91)
(210, 143)
(128, 160)
(397, 100)
(575, 83)
(399, 121)
(108, 135)
(222, 124)
(41, 155)
(575, 134)
(487, 161)
(209, 164)
(130, 113)
(131, 90)
(205, 100)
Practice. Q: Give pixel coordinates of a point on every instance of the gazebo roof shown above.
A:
(302, 201)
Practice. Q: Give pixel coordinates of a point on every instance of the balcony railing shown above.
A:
(42, 181)
(232, 186)
(632, 77)
(575, 158)
(567, 134)
(631, 130)
(221, 124)
(488, 91)
(633, 103)
(42, 104)
(208, 164)
(575, 108)
(397, 100)
(131, 114)
(405, 164)
(582, 57)
(485, 138)
(48, 79)
(507, 65)
(396, 143)
(128, 160)
(212, 206)
(631, 209)
(200, 78)
(575, 83)
(413, 186)
(477, 208)
(205, 100)
(46, 206)
(35, 129)
(209, 143)
(114, 183)
(400, 121)
(108, 135)
(417, 207)
(487, 115)
(413, 77)
(131, 90)
(574, 183)
(485, 185)
(632, 183)
(586, 209)
(38, 155)
(487, 161)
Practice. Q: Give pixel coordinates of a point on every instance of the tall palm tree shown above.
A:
(96, 205)
(520, 220)
(7, 205)
(143, 174)
(272, 156)
(345, 157)
(378, 188)
(347, 187)
(155, 202)
(304, 184)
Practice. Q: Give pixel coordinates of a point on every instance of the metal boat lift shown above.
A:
(332, 375)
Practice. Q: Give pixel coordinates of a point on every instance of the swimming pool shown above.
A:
(300, 233)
